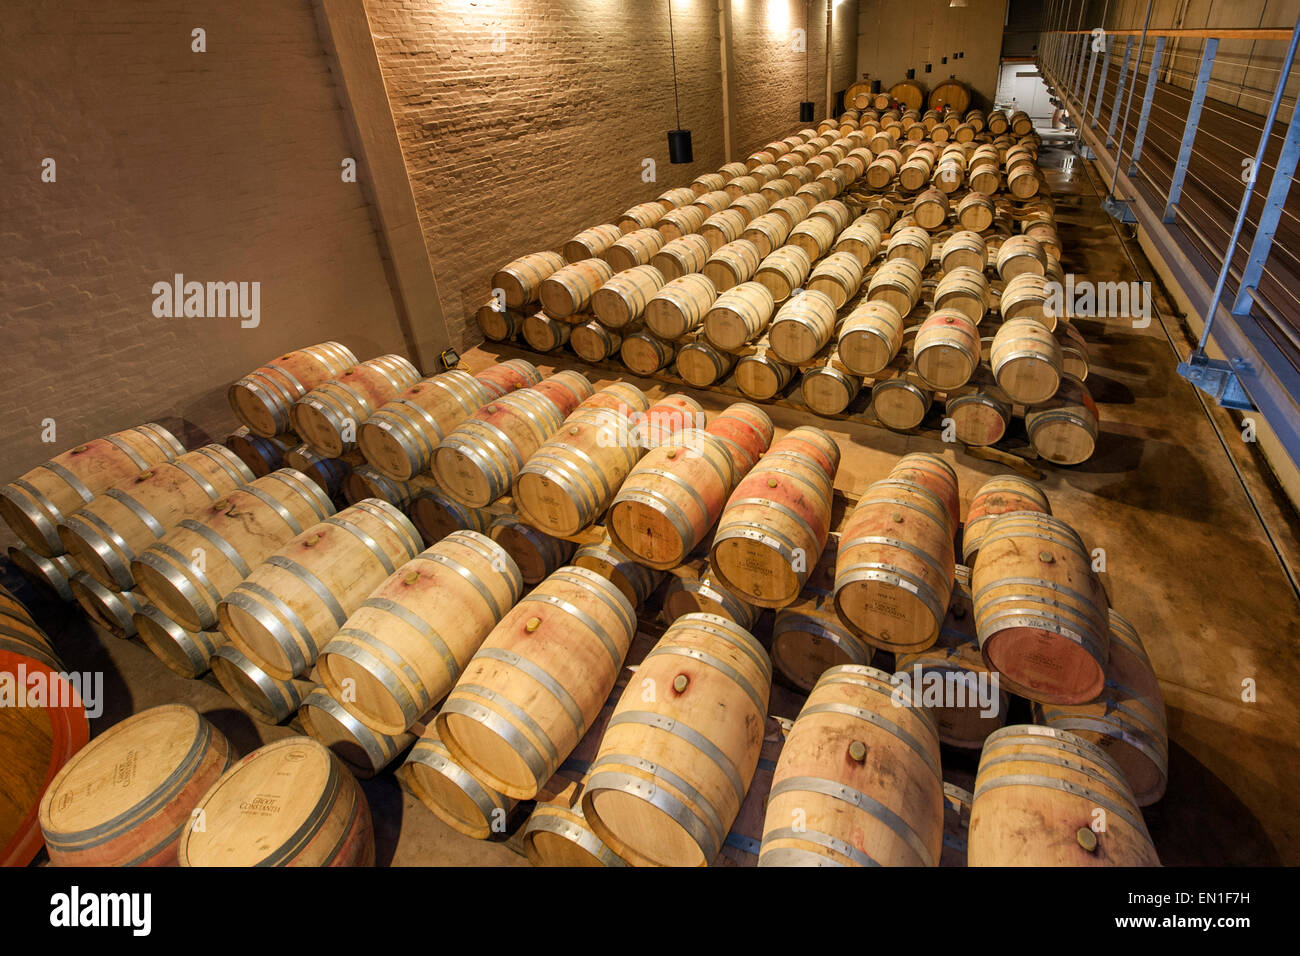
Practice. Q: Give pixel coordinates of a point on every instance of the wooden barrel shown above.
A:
(884, 168)
(261, 455)
(707, 182)
(910, 243)
(646, 354)
(263, 399)
(451, 792)
(760, 375)
(365, 482)
(950, 95)
(588, 244)
(568, 637)
(1064, 428)
(801, 327)
(858, 780)
(894, 576)
(435, 516)
(951, 678)
(723, 227)
(365, 752)
(401, 651)
(189, 571)
(107, 534)
(326, 473)
(328, 417)
(114, 611)
(641, 216)
(916, 169)
(997, 122)
(870, 337)
(497, 324)
(1027, 297)
(1021, 255)
(258, 694)
(543, 333)
(1036, 797)
(126, 798)
(713, 201)
(1128, 720)
(783, 271)
(899, 400)
(288, 608)
(732, 264)
(634, 579)
(1027, 360)
(691, 595)
(898, 283)
(1040, 609)
(399, 439)
(956, 824)
(964, 249)
(930, 209)
(776, 522)
(521, 280)
(682, 256)
(633, 249)
(672, 772)
(838, 276)
(594, 342)
(739, 316)
(980, 412)
(861, 239)
(570, 480)
(964, 290)
(290, 803)
(1074, 351)
(671, 499)
(777, 189)
(476, 464)
(665, 420)
(681, 221)
(50, 574)
(557, 834)
(623, 298)
(792, 208)
(508, 376)
(570, 289)
(702, 365)
(767, 232)
(834, 212)
(935, 474)
(746, 431)
(999, 495)
(828, 389)
(814, 235)
(34, 505)
(1023, 181)
(187, 653)
(946, 350)
(680, 306)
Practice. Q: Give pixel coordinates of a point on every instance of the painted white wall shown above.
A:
(1026, 93)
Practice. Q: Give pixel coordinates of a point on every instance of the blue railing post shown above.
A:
(1189, 131)
(1147, 97)
(1101, 83)
(1087, 84)
(1119, 89)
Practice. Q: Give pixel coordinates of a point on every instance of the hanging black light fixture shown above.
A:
(807, 109)
(679, 140)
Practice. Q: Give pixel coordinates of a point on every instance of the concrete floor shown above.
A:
(1188, 563)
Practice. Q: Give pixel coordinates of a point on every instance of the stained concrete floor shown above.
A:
(1188, 562)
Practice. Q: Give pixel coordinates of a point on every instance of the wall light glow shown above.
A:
(778, 15)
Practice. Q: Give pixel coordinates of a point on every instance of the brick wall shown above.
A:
(222, 165)
(525, 122)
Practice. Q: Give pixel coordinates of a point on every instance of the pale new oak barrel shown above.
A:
(635, 580)
(827, 389)
(1036, 797)
(402, 650)
(671, 499)
(556, 834)
(858, 780)
(263, 399)
(954, 663)
(525, 700)
(870, 337)
(588, 244)
(671, 773)
(33, 505)
(290, 803)
(1026, 360)
(1040, 609)
(283, 613)
(946, 350)
(635, 248)
(107, 534)
(126, 797)
(543, 333)
(112, 610)
(364, 751)
(570, 289)
(477, 463)
(690, 595)
(783, 271)
(1064, 429)
(328, 417)
(680, 306)
(451, 792)
(702, 365)
(204, 557)
(594, 342)
(776, 522)
(187, 653)
(536, 553)
(1128, 720)
(258, 694)
(801, 327)
(645, 354)
(521, 279)
(964, 249)
(623, 297)
(739, 315)
(399, 439)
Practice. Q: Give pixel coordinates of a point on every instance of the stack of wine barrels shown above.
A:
(810, 272)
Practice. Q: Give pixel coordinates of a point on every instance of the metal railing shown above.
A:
(1174, 184)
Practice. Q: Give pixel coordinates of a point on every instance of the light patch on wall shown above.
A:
(778, 15)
